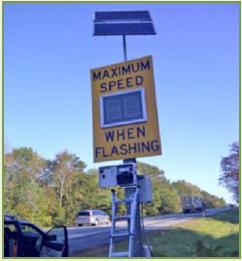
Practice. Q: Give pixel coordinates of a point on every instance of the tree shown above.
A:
(149, 170)
(22, 194)
(65, 169)
(185, 189)
(52, 192)
(66, 175)
(229, 177)
(165, 197)
(8, 180)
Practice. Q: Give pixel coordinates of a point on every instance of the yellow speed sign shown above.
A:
(125, 121)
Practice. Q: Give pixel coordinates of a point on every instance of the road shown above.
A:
(83, 238)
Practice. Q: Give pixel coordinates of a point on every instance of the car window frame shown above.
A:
(20, 248)
(65, 253)
(41, 232)
(19, 236)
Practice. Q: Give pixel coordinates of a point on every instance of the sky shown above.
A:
(49, 50)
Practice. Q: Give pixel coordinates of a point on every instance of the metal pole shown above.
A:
(138, 250)
(124, 47)
(138, 243)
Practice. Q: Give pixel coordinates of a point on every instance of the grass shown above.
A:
(215, 236)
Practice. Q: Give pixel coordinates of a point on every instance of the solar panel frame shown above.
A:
(122, 16)
(124, 29)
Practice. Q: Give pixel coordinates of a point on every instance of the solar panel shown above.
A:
(122, 15)
(124, 29)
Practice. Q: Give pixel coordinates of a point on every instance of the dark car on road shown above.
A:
(25, 239)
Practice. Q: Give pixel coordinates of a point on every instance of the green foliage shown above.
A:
(52, 192)
(216, 236)
(148, 170)
(229, 177)
(207, 250)
(212, 201)
(59, 216)
(165, 198)
(185, 189)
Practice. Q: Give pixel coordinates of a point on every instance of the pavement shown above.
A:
(83, 238)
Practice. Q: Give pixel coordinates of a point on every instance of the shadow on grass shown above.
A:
(177, 242)
(181, 242)
(231, 216)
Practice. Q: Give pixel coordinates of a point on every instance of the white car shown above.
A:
(92, 217)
